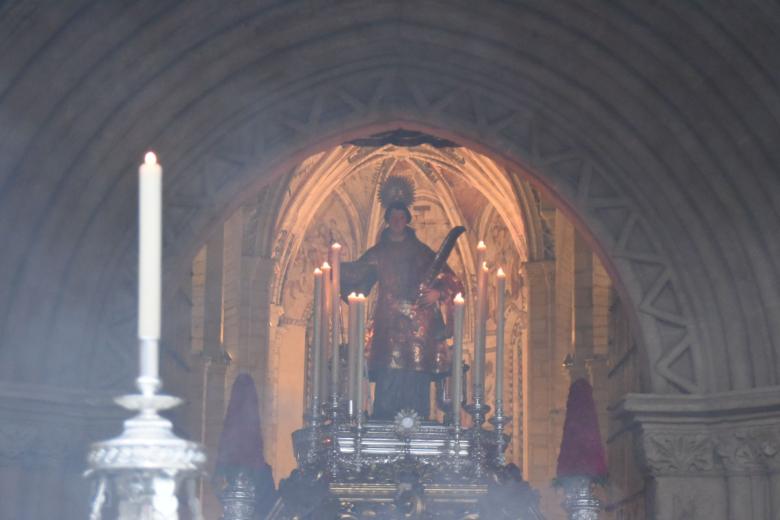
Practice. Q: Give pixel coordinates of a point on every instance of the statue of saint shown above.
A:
(407, 347)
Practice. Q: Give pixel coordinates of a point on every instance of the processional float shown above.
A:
(353, 467)
(349, 467)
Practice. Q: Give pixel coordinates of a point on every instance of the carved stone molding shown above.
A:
(726, 450)
(735, 433)
(750, 450)
(678, 453)
(737, 453)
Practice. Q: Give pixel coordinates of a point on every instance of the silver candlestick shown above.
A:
(580, 502)
(499, 421)
(478, 410)
(147, 463)
(238, 497)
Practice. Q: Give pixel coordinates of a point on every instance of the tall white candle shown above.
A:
(317, 350)
(457, 360)
(149, 247)
(334, 345)
(149, 271)
(361, 335)
(325, 267)
(476, 375)
(352, 377)
(500, 297)
(481, 251)
(335, 304)
(479, 339)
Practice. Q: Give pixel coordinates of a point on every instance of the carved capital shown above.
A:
(721, 450)
(750, 450)
(767, 444)
(738, 452)
(736, 433)
(678, 453)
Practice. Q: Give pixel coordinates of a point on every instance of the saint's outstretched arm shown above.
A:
(358, 277)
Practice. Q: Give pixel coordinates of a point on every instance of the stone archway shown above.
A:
(653, 124)
(634, 130)
(524, 140)
(627, 224)
(524, 136)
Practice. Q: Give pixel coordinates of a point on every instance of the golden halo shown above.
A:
(396, 188)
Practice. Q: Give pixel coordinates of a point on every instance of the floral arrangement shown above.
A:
(240, 445)
(240, 452)
(582, 452)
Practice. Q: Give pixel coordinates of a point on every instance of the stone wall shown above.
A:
(653, 125)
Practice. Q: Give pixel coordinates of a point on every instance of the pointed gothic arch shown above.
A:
(524, 138)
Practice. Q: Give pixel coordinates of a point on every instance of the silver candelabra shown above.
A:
(147, 463)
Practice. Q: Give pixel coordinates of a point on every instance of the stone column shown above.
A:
(583, 307)
(545, 382)
(213, 363)
(253, 314)
(711, 457)
(257, 341)
(564, 309)
(773, 467)
(598, 374)
(536, 380)
(591, 312)
(289, 347)
(212, 315)
(741, 453)
(686, 480)
(233, 287)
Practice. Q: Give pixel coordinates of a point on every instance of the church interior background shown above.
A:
(332, 197)
(618, 159)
